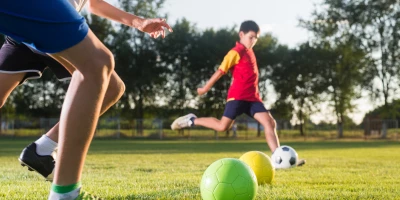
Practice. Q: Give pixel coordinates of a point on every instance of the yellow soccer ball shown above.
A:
(261, 165)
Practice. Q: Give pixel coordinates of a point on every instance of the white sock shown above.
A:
(65, 196)
(45, 146)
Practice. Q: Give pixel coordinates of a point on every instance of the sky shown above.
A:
(279, 17)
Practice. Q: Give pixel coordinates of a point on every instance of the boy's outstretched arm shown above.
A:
(231, 59)
(154, 27)
(214, 78)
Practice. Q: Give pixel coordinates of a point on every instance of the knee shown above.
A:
(118, 88)
(223, 127)
(122, 89)
(102, 66)
(272, 122)
(105, 63)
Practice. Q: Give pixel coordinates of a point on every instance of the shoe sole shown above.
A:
(23, 164)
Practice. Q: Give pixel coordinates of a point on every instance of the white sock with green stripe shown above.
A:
(67, 192)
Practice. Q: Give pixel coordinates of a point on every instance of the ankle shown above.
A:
(192, 120)
(65, 191)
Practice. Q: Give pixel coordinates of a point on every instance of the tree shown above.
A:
(174, 53)
(267, 53)
(298, 80)
(344, 73)
(376, 26)
(137, 61)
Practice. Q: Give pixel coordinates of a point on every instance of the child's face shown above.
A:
(248, 39)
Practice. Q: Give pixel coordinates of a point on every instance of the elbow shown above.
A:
(220, 73)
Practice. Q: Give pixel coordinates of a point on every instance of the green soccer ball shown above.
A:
(228, 179)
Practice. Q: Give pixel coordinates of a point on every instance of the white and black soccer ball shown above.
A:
(284, 157)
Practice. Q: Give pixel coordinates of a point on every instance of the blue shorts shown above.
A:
(49, 26)
(236, 107)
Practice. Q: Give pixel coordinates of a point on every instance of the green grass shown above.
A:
(208, 134)
(133, 169)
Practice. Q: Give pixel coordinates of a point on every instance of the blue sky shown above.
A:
(280, 17)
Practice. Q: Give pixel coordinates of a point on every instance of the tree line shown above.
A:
(354, 47)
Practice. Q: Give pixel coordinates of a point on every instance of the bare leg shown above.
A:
(269, 124)
(82, 105)
(114, 92)
(8, 83)
(214, 123)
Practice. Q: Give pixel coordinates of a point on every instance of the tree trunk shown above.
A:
(384, 69)
(387, 114)
(140, 114)
(301, 127)
(259, 129)
(384, 129)
(340, 129)
(340, 124)
(182, 92)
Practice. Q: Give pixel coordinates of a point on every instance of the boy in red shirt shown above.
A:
(243, 94)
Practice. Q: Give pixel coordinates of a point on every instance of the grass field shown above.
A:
(133, 169)
(208, 134)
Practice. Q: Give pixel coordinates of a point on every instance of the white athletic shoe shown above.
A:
(182, 122)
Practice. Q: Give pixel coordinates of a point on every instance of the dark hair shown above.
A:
(249, 25)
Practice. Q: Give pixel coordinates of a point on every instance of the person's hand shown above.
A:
(155, 27)
(201, 91)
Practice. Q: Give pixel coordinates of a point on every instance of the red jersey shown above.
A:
(243, 66)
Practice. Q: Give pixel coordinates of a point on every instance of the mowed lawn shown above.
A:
(132, 169)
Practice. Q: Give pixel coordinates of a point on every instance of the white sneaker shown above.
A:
(183, 122)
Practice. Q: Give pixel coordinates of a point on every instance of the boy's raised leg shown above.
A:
(208, 122)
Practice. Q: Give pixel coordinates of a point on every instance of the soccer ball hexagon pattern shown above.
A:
(284, 157)
(228, 179)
